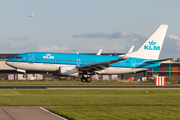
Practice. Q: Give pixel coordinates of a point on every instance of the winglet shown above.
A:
(128, 53)
(99, 53)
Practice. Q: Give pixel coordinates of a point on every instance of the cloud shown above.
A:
(92, 35)
(173, 37)
(18, 38)
(115, 35)
(64, 49)
(171, 47)
(123, 34)
(51, 48)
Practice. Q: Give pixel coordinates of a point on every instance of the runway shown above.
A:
(93, 88)
(27, 113)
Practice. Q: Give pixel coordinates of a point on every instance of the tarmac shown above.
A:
(27, 113)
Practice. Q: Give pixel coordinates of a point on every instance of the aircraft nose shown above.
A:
(8, 63)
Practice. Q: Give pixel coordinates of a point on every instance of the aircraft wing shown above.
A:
(103, 65)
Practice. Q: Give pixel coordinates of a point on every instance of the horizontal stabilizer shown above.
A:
(159, 60)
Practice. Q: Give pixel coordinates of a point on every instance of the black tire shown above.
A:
(83, 79)
(24, 75)
(88, 79)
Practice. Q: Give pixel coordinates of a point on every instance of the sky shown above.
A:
(71, 26)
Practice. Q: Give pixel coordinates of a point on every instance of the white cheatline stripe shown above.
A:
(53, 113)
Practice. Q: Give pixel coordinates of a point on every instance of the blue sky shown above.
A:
(84, 26)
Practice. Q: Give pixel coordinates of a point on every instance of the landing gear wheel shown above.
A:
(24, 75)
(88, 79)
(83, 79)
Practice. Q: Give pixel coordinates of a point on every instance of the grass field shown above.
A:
(100, 104)
(169, 82)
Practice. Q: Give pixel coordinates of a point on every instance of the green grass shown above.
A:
(119, 112)
(79, 83)
(100, 104)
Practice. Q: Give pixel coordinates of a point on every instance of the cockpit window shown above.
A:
(18, 57)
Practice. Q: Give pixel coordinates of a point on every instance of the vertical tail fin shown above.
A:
(152, 46)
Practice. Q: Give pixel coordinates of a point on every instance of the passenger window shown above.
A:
(61, 60)
(38, 58)
(53, 59)
(86, 61)
(43, 59)
(56, 59)
(123, 63)
(73, 60)
(66, 60)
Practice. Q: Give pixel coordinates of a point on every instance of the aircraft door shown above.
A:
(133, 64)
(31, 58)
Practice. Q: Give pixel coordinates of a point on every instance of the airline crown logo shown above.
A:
(152, 46)
(67, 70)
(152, 43)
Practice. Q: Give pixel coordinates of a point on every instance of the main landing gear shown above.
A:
(85, 79)
(24, 75)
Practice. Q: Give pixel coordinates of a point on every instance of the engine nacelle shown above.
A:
(67, 71)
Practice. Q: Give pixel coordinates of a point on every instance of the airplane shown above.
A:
(71, 64)
(31, 15)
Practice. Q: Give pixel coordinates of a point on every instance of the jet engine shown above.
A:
(67, 71)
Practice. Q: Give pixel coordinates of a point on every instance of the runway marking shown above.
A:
(7, 113)
(53, 113)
